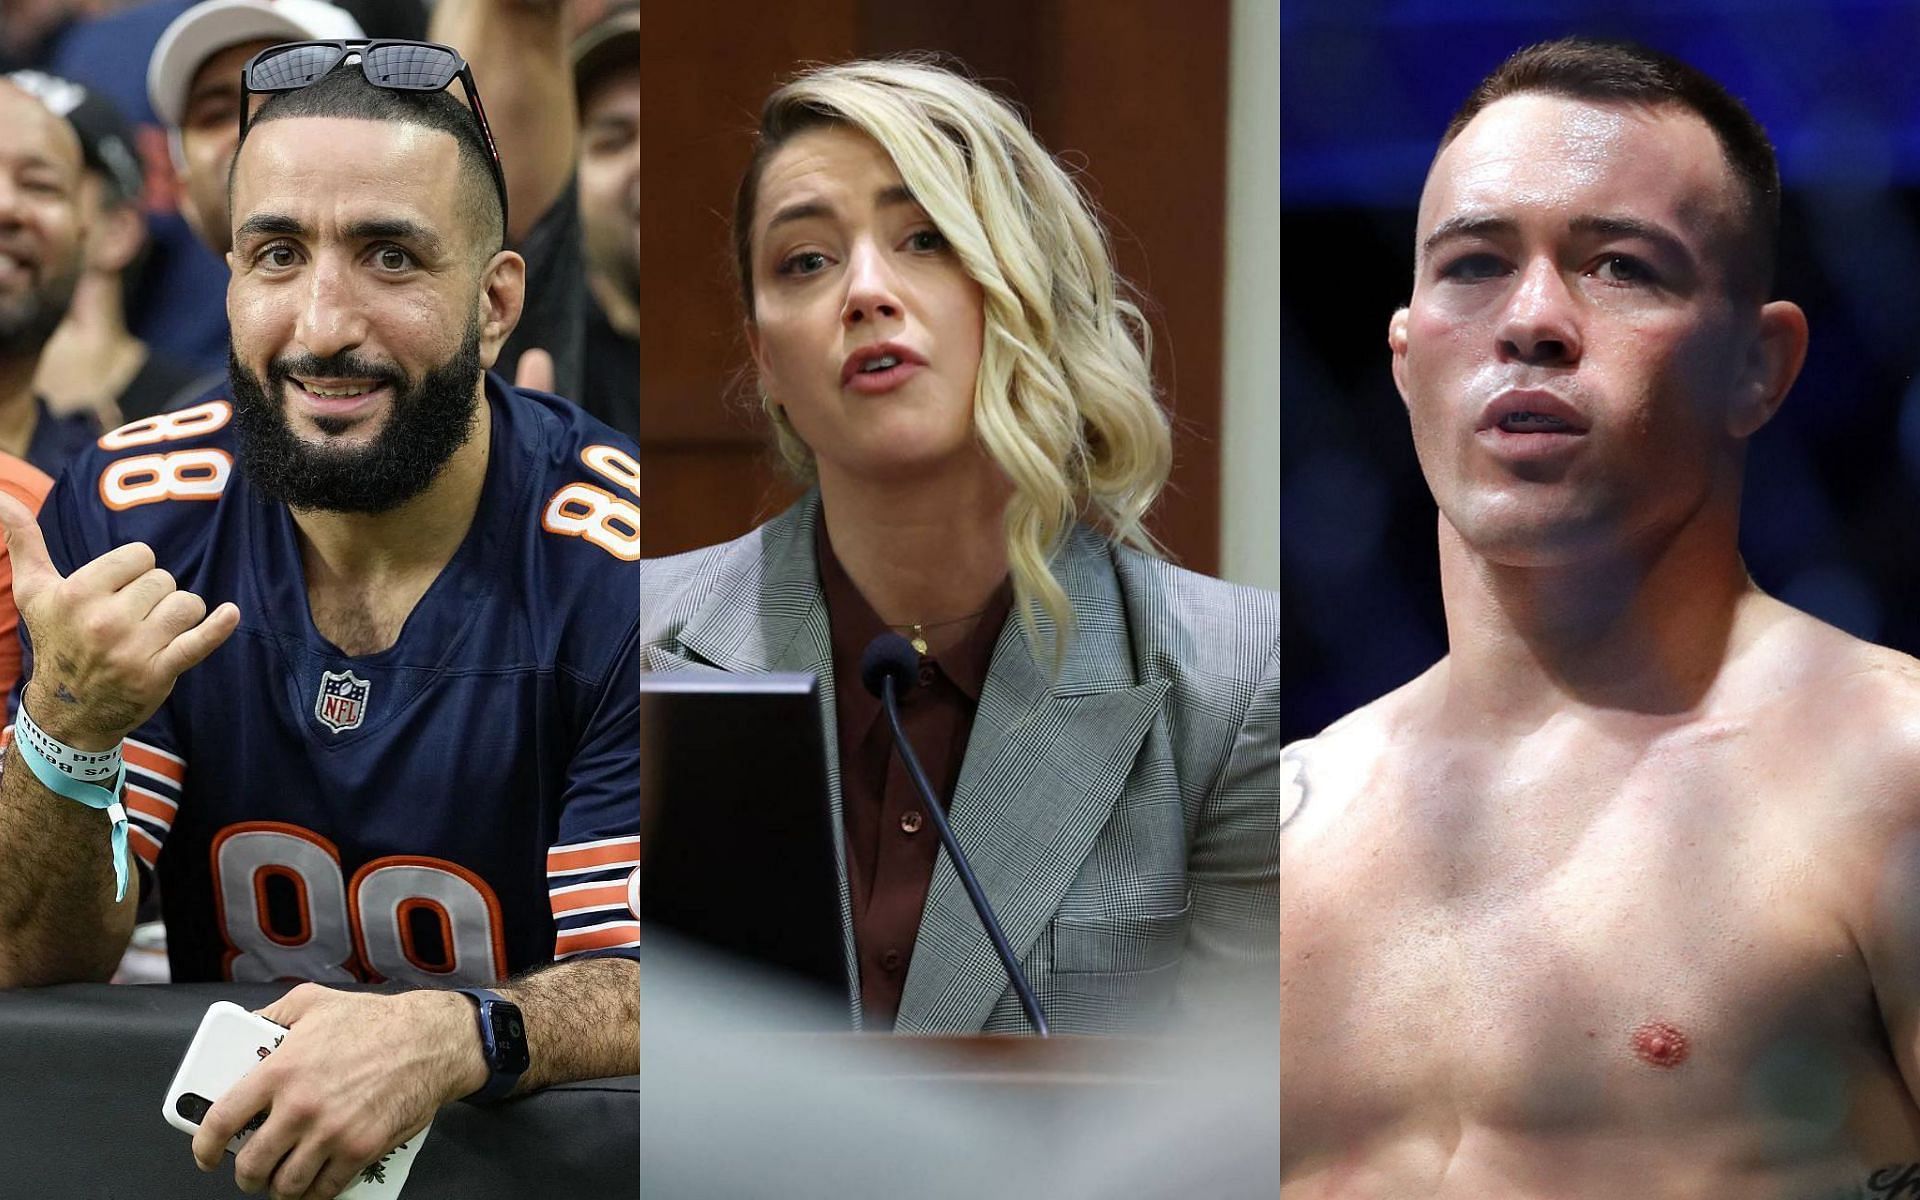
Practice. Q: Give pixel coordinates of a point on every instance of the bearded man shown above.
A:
(41, 233)
(361, 642)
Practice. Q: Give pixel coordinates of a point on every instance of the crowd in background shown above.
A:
(113, 294)
(136, 288)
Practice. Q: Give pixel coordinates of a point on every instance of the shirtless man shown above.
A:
(1620, 899)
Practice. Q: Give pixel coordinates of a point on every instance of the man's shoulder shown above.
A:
(1838, 760)
(565, 437)
(1793, 669)
(1851, 704)
(152, 480)
(1357, 744)
(584, 479)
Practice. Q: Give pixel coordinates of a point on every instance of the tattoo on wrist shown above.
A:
(61, 693)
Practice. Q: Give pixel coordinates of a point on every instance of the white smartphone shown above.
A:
(230, 1042)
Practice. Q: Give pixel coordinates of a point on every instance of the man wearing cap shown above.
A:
(94, 363)
(518, 50)
(41, 228)
(589, 246)
(193, 82)
(606, 75)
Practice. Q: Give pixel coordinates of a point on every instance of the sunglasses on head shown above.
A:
(398, 66)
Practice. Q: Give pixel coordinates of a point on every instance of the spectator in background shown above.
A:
(93, 362)
(30, 30)
(40, 241)
(606, 80)
(39, 168)
(518, 50)
(29, 485)
(193, 82)
(179, 307)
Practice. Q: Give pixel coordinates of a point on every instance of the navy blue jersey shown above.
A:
(57, 439)
(458, 807)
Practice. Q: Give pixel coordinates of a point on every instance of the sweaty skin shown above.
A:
(1472, 940)
(1621, 899)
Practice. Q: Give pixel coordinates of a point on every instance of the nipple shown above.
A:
(1659, 1044)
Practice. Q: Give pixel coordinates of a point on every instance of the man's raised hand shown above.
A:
(534, 371)
(109, 640)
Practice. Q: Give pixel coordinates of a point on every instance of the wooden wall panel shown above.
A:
(1133, 93)
(1141, 91)
(730, 485)
(705, 68)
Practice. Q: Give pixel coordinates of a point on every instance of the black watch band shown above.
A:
(503, 1042)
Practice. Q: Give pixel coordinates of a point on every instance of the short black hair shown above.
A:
(1621, 72)
(345, 92)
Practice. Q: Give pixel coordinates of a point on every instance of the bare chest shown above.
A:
(1566, 947)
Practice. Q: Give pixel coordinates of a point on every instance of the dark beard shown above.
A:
(425, 424)
(26, 326)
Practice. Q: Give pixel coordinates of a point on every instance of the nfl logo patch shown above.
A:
(343, 700)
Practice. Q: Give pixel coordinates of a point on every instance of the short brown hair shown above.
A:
(1624, 73)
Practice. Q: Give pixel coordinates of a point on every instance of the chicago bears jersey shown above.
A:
(458, 807)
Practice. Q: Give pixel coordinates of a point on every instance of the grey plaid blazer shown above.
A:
(1123, 818)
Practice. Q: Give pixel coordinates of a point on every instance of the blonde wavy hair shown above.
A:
(1064, 401)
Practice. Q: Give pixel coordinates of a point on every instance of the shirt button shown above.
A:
(926, 675)
(910, 822)
(890, 960)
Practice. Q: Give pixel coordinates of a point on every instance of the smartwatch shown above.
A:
(503, 1041)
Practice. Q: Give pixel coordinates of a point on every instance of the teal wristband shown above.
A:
(62, 783)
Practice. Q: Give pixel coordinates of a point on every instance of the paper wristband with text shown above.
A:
(75, 774)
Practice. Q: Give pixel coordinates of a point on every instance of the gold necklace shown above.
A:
(918, 638)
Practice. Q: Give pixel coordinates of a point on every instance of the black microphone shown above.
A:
(889, 666)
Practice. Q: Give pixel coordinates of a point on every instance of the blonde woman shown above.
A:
(945, 354)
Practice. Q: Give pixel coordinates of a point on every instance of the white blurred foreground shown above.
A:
(732, 1112)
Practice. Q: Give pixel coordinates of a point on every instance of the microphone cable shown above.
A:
(888, 659)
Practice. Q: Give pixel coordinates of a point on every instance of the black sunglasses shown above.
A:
(396, 65)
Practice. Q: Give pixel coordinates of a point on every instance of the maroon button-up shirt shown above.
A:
(891, 843)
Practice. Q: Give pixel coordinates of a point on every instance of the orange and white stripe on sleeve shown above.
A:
(594, 888)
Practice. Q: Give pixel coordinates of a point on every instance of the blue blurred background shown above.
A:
(1832, 483)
